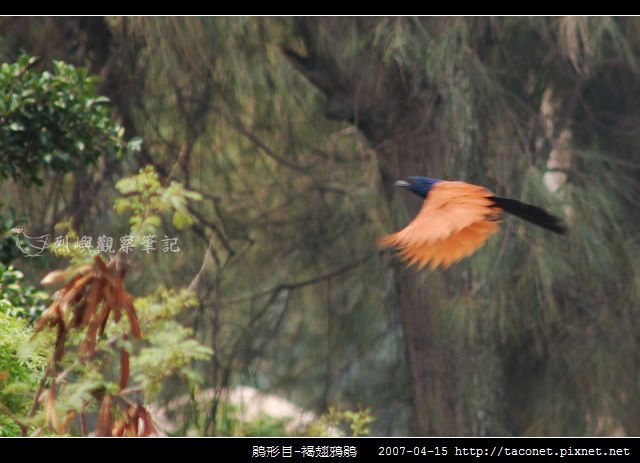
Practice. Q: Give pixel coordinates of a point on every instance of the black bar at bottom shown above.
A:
(346, 449)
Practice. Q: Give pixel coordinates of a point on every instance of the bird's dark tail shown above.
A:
(533, 214)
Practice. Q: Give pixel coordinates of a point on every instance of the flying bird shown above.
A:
(456, 219)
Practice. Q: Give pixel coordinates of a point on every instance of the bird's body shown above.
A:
(456, 219)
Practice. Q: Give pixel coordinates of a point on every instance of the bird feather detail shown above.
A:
(456, 219)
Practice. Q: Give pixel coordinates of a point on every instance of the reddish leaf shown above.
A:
(149, 428)
(53, 311)
(104, 316)
(60, 275)
(92, 319)
(50, 409)
(71, 293)
(74, 291)
(133, 318)
(110, 298)
(138, 423)
(88, 345)
(82, 275)
(102, 266)
(103, 428)
(54, 277)
(134, 414)
(83, 423)
(70, 416)
(116, 300)
(60, 340)
(124, 368)
(59, 315)
(118, 428)
(132, 411)
(93, 299)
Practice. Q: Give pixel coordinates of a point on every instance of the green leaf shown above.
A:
(134, 145)
(182, 219)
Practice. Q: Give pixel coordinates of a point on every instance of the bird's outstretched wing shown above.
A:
(456, 219)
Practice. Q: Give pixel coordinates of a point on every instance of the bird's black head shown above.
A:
(417, 185)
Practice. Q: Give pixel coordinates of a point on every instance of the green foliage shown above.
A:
(55, 121)
(336, 421)
(8, 249)
(166, 351)
(146, 199)
(17, 299)
(52, 121)
(169, 348)
(356, 422)
(233, 420)
(114, 364)
(231, 425)
(118, 364)
(20, 371)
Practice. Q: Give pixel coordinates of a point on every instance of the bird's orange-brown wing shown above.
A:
(456, 219)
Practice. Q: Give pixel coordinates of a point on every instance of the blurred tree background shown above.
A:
(293, 130)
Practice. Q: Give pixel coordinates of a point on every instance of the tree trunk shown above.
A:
(401, 125)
